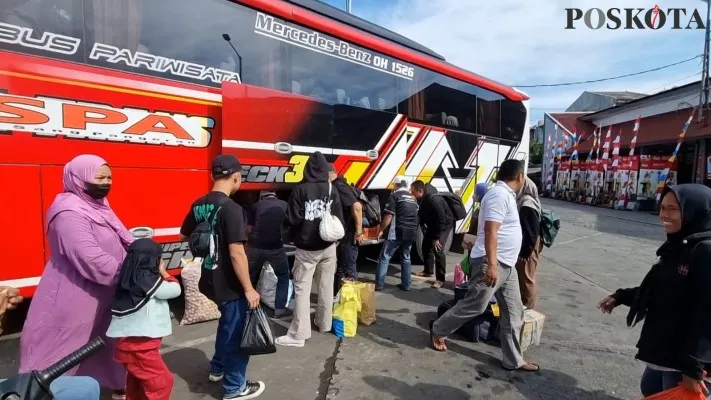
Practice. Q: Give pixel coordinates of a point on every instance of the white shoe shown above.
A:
(286, 340)
(216, 377)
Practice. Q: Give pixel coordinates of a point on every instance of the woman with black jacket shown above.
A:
(674, 299)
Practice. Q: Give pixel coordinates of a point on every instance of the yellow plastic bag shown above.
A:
(367, 303)
(346, 309)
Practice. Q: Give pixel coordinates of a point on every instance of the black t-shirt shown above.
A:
(348, 198)
(265, 218)
(220, 284)
(403, 207)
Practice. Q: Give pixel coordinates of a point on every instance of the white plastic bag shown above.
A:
(267, 286)
(198, 308)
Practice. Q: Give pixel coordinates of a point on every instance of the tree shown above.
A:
(535, 154)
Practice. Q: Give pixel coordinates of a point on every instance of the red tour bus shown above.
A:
(160, 87)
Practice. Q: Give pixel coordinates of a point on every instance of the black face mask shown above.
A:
(99, 191)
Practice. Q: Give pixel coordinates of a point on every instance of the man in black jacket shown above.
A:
(437, 223)
(400, 214)
(308, 203)
(353, 217)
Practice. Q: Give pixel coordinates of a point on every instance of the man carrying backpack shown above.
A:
(529, 211)
(216, 229)
(437, 221)
(353, 227)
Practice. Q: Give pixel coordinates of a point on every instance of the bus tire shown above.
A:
(419, 237)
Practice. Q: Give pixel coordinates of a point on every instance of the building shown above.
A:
(537, 132)
(662, 118)
(596, 101)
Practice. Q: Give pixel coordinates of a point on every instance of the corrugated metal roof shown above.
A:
(625, 94)
(641, 100)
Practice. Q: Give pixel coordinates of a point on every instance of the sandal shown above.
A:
(437, 344)
(528, 367)
(422, 275)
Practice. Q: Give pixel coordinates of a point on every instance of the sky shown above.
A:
(523, 42)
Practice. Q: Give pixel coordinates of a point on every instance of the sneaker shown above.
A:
(216, 377)
(289, 342)
(252, 390)
(402, 287)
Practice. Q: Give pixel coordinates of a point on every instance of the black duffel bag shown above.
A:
(483, 328)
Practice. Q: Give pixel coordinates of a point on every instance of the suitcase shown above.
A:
(483, 328)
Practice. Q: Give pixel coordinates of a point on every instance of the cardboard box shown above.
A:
(532, 329)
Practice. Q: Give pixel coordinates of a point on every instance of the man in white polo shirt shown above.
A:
(493, 260)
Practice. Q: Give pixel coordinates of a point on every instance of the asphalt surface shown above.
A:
(583, 354)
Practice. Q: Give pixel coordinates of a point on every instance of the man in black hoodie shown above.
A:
(353, 218)
(437, 222)
(307, 204)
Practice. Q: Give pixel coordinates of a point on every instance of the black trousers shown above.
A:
(435, 259)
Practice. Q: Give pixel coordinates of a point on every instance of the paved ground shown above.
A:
(584, 355)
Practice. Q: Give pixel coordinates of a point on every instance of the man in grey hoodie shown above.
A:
(307, 204)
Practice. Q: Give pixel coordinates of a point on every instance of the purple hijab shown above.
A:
(77, 173)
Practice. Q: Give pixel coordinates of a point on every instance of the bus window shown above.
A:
(489, 116)
(156, 37)
(513, 120)
(47, 28)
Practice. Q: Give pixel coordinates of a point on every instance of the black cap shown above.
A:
(225, 165)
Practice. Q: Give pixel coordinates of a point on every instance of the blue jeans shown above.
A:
(386, 253)
(74, 388)
(654, 381)
(277, 259)
(228, 359)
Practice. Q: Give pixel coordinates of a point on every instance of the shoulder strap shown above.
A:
(220, 203)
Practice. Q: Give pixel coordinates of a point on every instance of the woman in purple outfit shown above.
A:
(72, 303)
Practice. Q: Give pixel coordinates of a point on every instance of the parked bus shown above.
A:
(160, 87)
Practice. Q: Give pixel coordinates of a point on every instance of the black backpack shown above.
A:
(371, 207)
(455, 204)
(203, 240)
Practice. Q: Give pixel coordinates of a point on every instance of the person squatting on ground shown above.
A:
(265, 244)
(529, 211)
(400, 214)
(493, 257)
(353, 227)
(314, 257)
(141, 319)
(225, 277)
(64, 387)
(87, 244)
(674, 297)
(437, 221)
